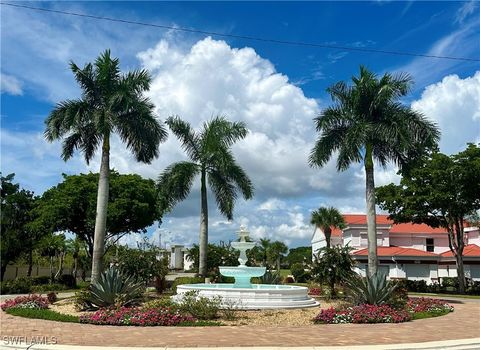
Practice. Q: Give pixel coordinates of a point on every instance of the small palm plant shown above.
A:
(326, 218)
(372, 290)
(115, 289)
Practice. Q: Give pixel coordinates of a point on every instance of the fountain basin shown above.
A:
(242, 274)
(258, 296)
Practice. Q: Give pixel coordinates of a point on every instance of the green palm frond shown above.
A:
(175, 182)
(224, 191)
(187, 136)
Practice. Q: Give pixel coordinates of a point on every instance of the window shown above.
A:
(430, 245)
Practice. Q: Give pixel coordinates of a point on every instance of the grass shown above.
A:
(199, 323)
(444, 295)
(426, 314)
(285, 272)
(43, 314)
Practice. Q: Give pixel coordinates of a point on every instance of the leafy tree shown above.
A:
(276, 252)
(53, 246)
(441, 191)
(332, 265)
(299, 255)
(368, 123)
(218, 255)
(259, 253)
(146, 264)
(211, 158)
(71, 206)
(326, 218)
(111, 102)
(16, 212)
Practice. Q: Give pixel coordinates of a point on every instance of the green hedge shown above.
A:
(43, 314)
(186, 280)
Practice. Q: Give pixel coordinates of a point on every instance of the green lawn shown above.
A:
(285, 272)
(444, 295)
(43, 314)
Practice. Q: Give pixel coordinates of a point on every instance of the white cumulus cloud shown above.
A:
(10, 85)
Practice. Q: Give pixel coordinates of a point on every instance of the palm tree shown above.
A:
(211, 158)
(368, 123)
(111, 102)
(326, 218)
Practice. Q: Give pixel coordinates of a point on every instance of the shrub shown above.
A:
(136, 317)
(316, 291)
(417, 286)
(67, 280)
(32, 301)
(363, 314)
(20, 285)
(474, 288)
(288, 279)
(373, 290)
(52, 297)
(82, 300)
(200, 307)
(161, 303)
(44, 314)
(270, 277)
(298, 271)
(186, 280)
(39, 280)
(115, 289)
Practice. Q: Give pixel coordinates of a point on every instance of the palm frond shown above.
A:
(187, 136)
(66, 115)
(224, 191)
(221, 133)
(174, 184)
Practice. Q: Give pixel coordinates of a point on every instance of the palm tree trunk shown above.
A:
(328, 236)
(371, 214)
(202, 268)
(101, 218)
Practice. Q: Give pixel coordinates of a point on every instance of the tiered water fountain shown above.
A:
(243, 293)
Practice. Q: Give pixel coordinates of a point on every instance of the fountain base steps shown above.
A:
(259, 296)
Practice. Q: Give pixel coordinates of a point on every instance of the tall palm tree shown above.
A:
(111, 102)
(368, 123)
(211, 158)
(326, 218)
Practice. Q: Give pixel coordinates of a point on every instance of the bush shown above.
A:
(67, 280)
(82, 300)
(372, 290)
(288, 279)
(136, 317)
(297, 270)
(316, 291)
(161, 303)
(22, 285)
(270, 277)
(39, 280)
(115, 289)
(186, 280)
(52, 297)
(200, 307)
(44, 314)
(417, 286)
(474, 288)
(363, 314)
(33, 301)
(428, 305)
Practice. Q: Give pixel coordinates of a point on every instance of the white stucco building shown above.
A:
(412, 251)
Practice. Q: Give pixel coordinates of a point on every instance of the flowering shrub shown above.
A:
(363, 314)
(33, 301)
(428, 305)
(314, 291)
(136, 317)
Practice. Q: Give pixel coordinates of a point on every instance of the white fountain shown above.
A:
(243, 293)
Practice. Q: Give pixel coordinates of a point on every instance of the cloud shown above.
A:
(465, 11)
(10, 85)
(454, 103)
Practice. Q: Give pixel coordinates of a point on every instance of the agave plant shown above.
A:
(373, 290)
(270, 277)
(115, 289)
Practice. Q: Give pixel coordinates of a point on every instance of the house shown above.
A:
(412, 251)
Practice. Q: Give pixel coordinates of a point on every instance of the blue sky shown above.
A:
(276, 89)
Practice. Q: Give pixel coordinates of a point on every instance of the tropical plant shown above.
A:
(271, 277)
(368, 123)
(325, 219)
(372, 290)
(201, 307)
(299, 255)
(115, 289)
(332, 265)
(211, 158)
(221, 254)
(111, 102)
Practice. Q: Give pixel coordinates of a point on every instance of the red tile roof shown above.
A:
(472, 250)
(396, 251)
(361, 219)
(415, 228)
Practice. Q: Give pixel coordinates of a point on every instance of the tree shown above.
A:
(218, 255)
(299, 255)
(16, 213)
(53, 246)
(211, 158)
(111, 102)
(441, 191)
(367, 123)
(332, 265)
(276, 252)
(71, 206)
(326, 218)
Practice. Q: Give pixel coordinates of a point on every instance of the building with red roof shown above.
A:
(408, 250)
